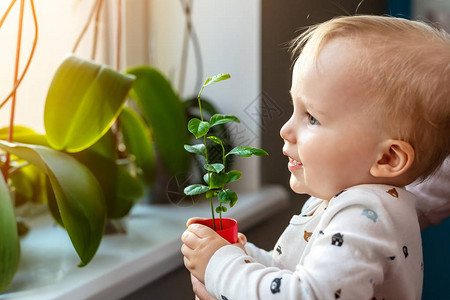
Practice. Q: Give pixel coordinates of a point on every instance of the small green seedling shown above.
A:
(216, 177)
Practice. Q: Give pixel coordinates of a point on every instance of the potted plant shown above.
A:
(96, 156)
(217, 177)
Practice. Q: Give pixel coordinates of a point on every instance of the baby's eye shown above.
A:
(312, 120)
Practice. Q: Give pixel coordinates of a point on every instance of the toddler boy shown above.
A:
(371, 99)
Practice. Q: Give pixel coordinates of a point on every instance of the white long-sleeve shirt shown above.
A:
(365, 244)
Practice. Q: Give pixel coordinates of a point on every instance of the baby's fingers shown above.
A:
(242, 239)
(190, 239)
(194, 220)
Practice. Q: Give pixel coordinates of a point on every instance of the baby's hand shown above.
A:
(200, 243)
(242, 240)
(200, 290)
(194, 220)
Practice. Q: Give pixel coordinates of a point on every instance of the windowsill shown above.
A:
(124, 263)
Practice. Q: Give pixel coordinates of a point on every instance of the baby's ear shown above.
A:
(395, 158)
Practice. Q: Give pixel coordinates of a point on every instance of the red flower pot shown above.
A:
(229, 229)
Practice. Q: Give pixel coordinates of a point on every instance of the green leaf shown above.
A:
(164, 112)
(136, 137)
(52, 204)
(106, 146)
(228, 196)
(198, 128)
(217, 168)
(82, 103)
(24, 134)
(127, 191)
(78, 195)
(196, 149)
(210, 194)
(216, 78)
(9, 240)
(22, 186)
(121, 190)
(218, 119)
(196, 189)
(233, 176)
(220, 209)
(29, 183)
(215, 140)
(247, 151)
(218, 180)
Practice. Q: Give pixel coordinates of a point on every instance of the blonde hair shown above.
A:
(408, 68)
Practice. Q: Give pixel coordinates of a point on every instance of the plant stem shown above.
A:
(221, 227)
(13, 103)
(206, 158)
(224, 158)
(7, 12)
(185, 48)
(97, 17)
(31, 53)
(86, 26)
(119, 34)
(212, 213)
(200, 103)
(116, 128)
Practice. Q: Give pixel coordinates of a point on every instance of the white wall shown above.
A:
(229, 35)
(59, 23)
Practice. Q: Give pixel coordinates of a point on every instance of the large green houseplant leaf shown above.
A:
(137, 139)
(164, 112)
(121, 190)
(78, 195)
(25, 135)
(9, 240)
(83, 101)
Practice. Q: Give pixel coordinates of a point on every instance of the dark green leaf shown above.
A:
(29, 184)
(83, 101)
(196, 189)
(220, 209)
(52, 204)
(206, 177)
(121, 190)
(247, 151)
(218, 119)
(196, 149)
(164, 112)
(216, 78)
(198, 128)
(215, 140)
(217, 168)
(136, 137)
(22, 186)
(233, 176)
(106, 146)
(228, 196)
(218, 180)
(9, 239)
(128, 190)
(78, 195)
(210, 194)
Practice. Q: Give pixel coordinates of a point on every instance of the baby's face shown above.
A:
(330, 140)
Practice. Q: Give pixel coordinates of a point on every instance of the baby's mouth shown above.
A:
(293, 162)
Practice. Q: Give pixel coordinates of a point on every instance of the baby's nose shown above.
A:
(286, 132)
